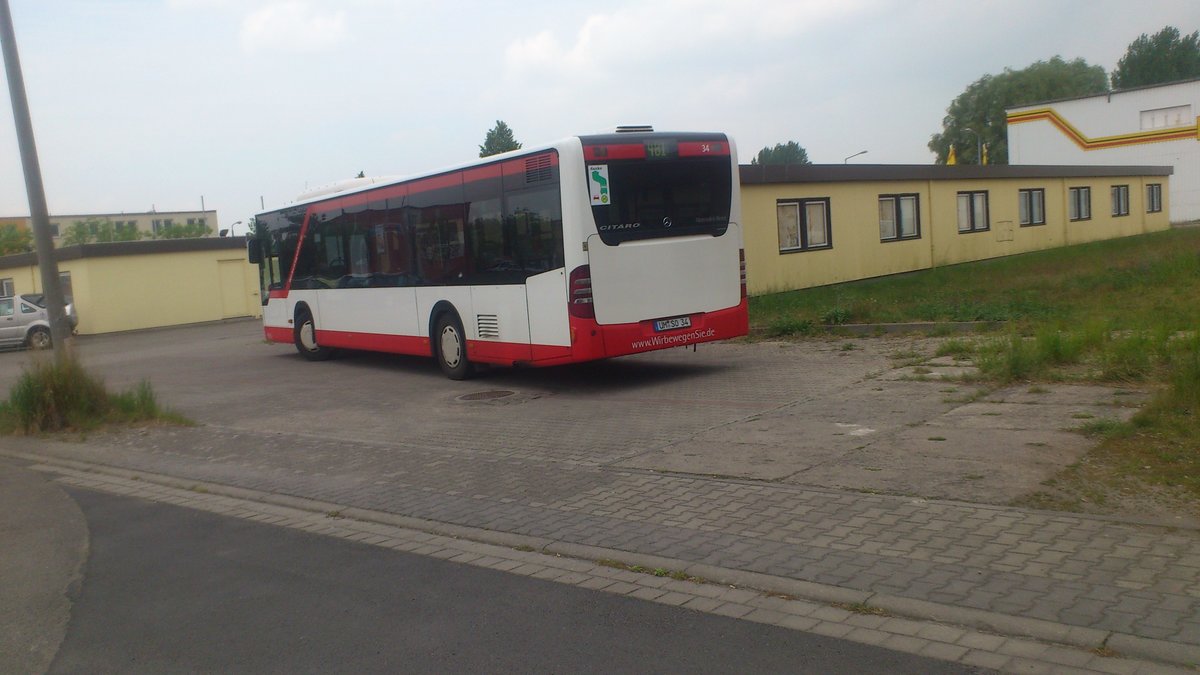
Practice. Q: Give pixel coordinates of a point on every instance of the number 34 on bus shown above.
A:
(589, 248)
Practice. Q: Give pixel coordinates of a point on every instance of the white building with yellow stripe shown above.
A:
(1155, 125)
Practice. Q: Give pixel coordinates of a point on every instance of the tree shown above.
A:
(14, 239)
(981, 107)
(77, 233)
(791, 153)
(1163, 57)
(173, 231)
(106, 231)
(499, 139)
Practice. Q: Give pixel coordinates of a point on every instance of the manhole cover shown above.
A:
(486, 395)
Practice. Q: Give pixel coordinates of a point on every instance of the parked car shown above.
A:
(25, 322)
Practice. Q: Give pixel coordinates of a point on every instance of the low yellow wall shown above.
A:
(858, 253)
(122, 293)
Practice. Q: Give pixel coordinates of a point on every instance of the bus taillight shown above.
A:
(742, 262)
(580, 301)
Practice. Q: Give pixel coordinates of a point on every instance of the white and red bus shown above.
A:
(588, 248)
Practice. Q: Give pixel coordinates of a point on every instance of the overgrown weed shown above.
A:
(54, 395)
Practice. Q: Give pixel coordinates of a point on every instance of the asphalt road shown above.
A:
(168, 589)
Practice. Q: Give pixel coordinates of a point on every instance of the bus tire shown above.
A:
(305, 336)
(451, 345)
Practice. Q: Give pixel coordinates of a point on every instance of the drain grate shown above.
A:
(486, 395)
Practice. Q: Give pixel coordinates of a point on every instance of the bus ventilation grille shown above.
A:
(537, 169)
(489, 326)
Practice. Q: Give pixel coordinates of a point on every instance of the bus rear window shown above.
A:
(650, 198)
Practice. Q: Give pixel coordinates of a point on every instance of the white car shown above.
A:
(24, 321)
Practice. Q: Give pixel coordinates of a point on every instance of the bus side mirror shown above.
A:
(253, 251)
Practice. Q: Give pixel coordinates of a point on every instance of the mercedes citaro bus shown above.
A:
(592, 247)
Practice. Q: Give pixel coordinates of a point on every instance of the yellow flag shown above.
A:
(983, 160)
(951, 159)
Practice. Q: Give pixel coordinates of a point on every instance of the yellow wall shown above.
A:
(858, 253)
(146, 291)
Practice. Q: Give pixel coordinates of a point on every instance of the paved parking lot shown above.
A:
(814, 461)
(844, 414)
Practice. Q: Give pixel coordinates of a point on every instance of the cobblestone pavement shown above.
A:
(553, 460)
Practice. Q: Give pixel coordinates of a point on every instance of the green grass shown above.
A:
(55, 396)
(1065, 287)
(1119, 311)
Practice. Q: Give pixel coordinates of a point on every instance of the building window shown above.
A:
(202, 221)
(1154, 198)
(6, 288)
(53, 229)
(1120, 200)
(973, 211)
(1079, 203)
(1032, 206)
(1162, 118)
(803, 224)
(899, 217)
(191, 221)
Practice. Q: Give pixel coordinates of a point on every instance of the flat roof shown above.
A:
(759, 174)
(1104, 94)
(121, 214)
(124, 248)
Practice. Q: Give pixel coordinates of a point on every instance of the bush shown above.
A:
(56, 395)
(62, 395)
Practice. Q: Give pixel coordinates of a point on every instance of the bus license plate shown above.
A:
(672, 324)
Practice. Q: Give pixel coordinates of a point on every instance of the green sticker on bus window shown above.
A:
(598, 184)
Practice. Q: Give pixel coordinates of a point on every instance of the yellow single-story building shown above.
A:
(812, 225)
(146, 284)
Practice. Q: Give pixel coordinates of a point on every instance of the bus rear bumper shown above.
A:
(591, 341)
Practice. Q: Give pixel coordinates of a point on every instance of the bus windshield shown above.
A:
(649, 197)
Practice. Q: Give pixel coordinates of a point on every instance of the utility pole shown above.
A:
(39, 215)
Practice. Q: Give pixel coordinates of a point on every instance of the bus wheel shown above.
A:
(452, 347)
(305, 337)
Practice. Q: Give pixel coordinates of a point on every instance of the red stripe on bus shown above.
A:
(447, 180)
(296, 256)
(704, 149)
(482, 173)
(374, 342)
(590, 341)
(277, 334)
(600, 153)
(277, 294)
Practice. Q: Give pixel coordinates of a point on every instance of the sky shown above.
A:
(140, 105)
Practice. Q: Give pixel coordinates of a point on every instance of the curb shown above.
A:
(1187, 656)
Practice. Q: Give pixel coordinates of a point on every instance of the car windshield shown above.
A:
(35, 299)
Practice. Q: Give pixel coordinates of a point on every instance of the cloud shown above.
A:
(655, 31)
(184, 5)
(293, 26)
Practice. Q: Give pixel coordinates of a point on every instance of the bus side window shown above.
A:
(534, 223)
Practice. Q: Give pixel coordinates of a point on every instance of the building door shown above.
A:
(233, 288)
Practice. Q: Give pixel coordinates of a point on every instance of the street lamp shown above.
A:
(860, 152)
(978, 145)
(232, 226)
